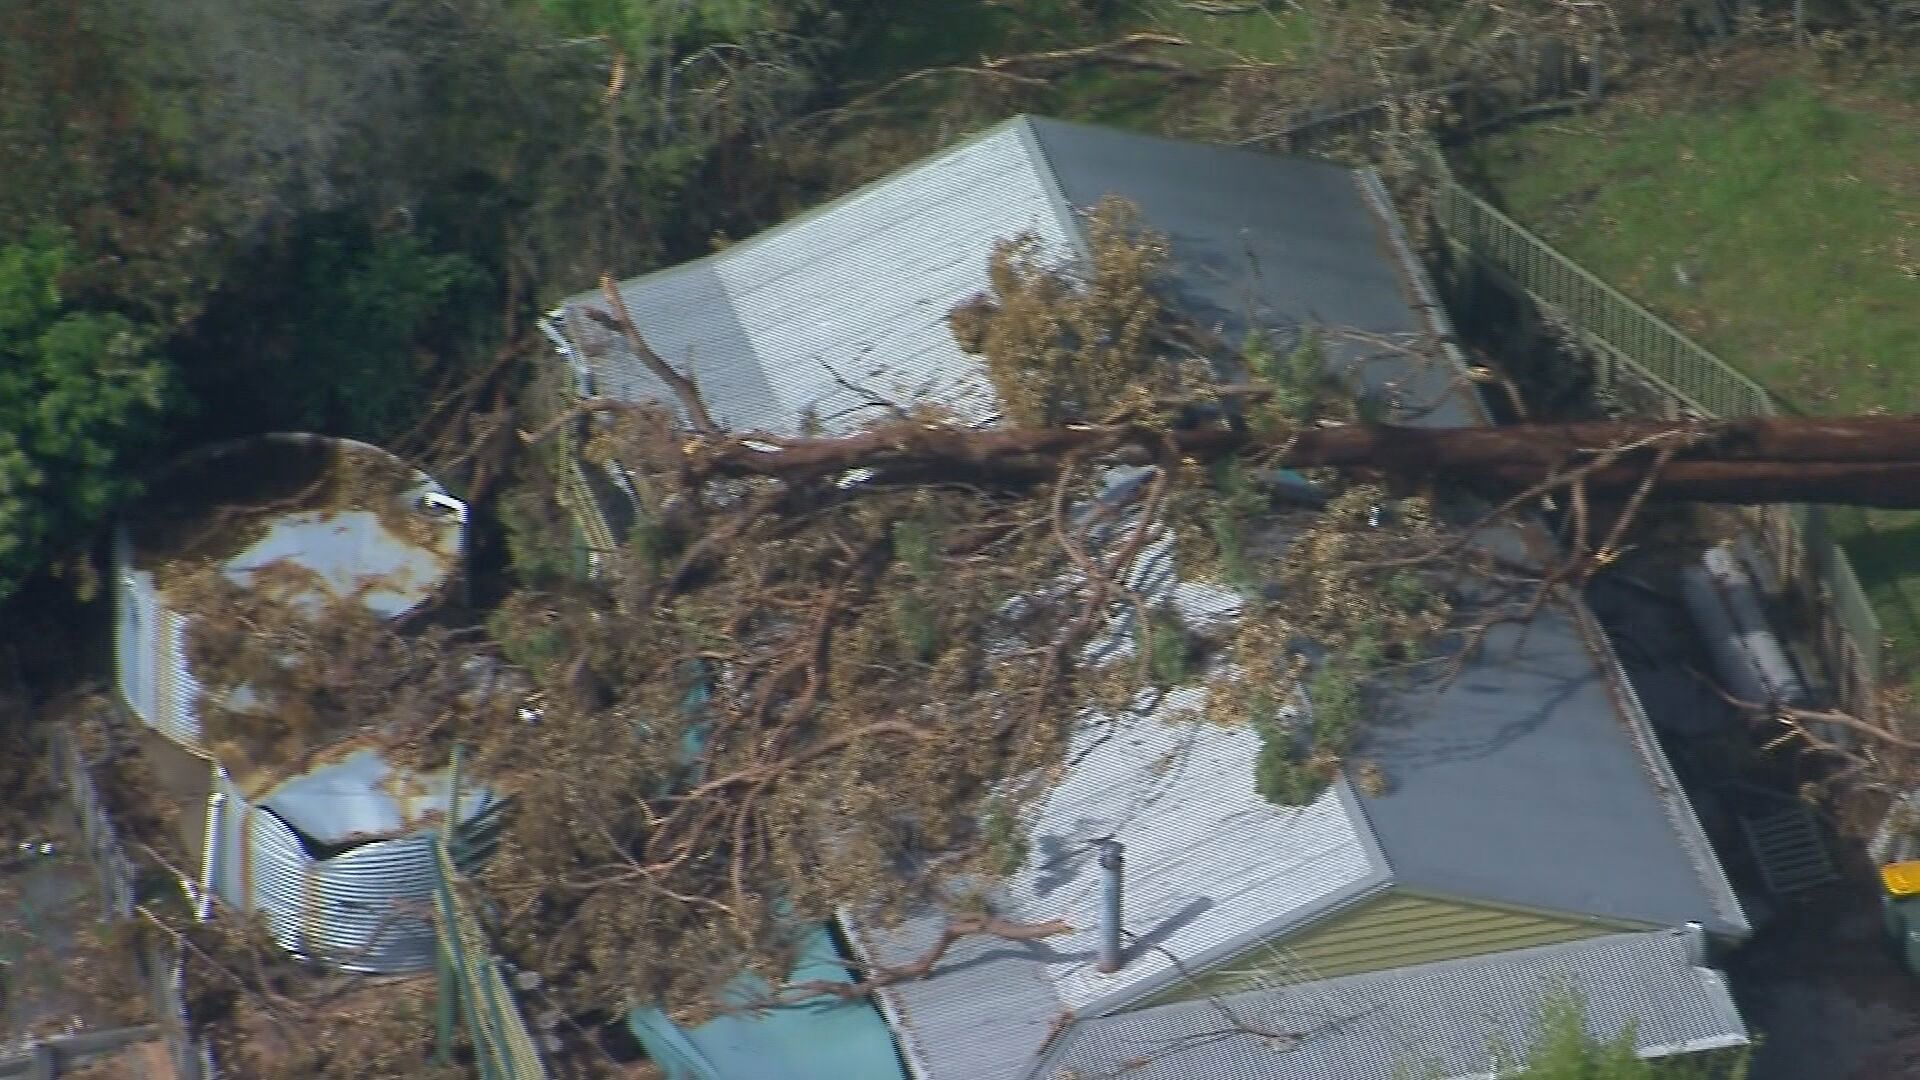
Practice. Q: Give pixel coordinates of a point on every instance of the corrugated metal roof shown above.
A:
(1437, 1020)
(1177, 791)
(986, 1012)
(858, 290)
(821, 1038)
(363, 909)
(1278, 243)
(346, 550)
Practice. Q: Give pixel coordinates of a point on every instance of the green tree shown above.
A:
(339, 331)
(1567, 1050)
(79, 391)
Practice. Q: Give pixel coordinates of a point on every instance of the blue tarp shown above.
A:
(822, 1038)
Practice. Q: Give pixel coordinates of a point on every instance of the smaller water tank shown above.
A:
(1724, 598)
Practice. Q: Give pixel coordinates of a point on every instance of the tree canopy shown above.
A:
(80, 391)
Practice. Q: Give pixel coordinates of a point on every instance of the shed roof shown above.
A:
(1439, 1020)
(362, 796)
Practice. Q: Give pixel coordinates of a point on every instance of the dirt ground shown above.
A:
(146, 1060)
(1818, 984)
(1821, 989)
(57, 968)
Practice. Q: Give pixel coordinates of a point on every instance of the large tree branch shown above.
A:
(683, 388)
(1863, 461)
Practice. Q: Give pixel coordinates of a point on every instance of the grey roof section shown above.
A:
(1432, 1020)
(1279, 243)
(858, 290)
(1534, 780)
(985, 1013)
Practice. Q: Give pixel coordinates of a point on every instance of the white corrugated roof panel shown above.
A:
(1211, 866)
(858, 290)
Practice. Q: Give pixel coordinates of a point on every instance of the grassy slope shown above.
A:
(1790, 200)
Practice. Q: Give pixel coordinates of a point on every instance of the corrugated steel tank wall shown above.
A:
(368, 909)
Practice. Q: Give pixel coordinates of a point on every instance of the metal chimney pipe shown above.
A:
(1112, 860)
(1696, 936)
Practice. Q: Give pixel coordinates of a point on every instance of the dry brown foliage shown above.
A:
(1064, 347)
(271, 1017)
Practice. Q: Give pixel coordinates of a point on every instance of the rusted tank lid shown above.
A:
(315, 518)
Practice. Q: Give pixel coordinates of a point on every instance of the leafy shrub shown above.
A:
(79, 392)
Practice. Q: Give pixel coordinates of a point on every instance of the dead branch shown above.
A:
(954, 931)
(1797, 717)
(683, 388)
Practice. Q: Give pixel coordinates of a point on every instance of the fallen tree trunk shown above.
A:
(1859, 461)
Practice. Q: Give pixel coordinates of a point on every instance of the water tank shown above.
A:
(354, 518)
(1724, 598)
(340, 858)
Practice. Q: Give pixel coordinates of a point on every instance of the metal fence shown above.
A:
(157, 967)
(1544, 72)
(1631, 344)
(503, 1048)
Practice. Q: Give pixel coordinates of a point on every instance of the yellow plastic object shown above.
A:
(1901, 878)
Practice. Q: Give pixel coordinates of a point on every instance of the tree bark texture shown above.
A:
(1857, 461)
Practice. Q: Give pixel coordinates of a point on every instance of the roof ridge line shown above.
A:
(1064, 212)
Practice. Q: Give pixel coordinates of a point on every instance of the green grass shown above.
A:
(1791, 202)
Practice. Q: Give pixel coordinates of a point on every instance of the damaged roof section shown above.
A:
(361, 798)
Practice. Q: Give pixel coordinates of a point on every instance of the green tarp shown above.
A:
(822, 1038)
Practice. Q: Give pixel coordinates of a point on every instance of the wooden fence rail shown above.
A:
(157, 968)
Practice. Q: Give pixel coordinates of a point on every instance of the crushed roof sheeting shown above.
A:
(364, 909)
(362, 797)
(1438, 1020)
